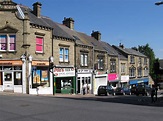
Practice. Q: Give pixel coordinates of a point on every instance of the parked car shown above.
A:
(110, 90)
(126, 91)
(102, 90)
(133, 90)
(116, 91)
(143, 90)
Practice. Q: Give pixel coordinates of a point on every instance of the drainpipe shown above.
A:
(93, 74)
(75, 91)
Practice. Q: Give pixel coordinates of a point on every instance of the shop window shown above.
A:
(18, 75)
(40, 78)
(17, 78)
(39, 44)
(1, 80)
(7, 42)
(66, 84)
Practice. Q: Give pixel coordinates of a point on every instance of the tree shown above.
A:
(148, 51)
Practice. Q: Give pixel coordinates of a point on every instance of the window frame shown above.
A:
(132, 71)
(64, 56)
(8, 42)
(100, 63)
(84, 59)
(132, 59)
(112, 66)
(40, 45)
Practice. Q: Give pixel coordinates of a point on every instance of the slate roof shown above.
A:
(58, 29)
(130, 51)
(111, 51)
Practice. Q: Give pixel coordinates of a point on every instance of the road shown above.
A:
(15, 107)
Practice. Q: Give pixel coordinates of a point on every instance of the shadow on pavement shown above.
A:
(133, 100)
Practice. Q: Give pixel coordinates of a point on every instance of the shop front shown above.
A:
(40, 81)
(64, 80)
(84, 81)
(99, 79)
(11, 76)
(113, 80)
(124, 81)
(141, 81)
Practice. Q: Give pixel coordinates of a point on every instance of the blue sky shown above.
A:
(131, 22)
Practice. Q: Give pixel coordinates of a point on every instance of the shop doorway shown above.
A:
(8, 81)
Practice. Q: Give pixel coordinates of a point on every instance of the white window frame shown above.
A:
(101, 63)
(8, 42)
(84, 59)
(63, 56)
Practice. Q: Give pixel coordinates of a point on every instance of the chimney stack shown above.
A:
(96, 35)
(69, 22)
(37, 9)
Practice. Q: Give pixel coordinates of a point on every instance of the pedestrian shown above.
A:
(152, 95)
(83, 90)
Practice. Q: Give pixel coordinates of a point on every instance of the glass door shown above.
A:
(8, 81)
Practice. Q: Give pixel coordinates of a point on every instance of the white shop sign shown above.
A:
(64, 72)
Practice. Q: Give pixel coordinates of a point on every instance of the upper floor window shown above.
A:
(84, 59)
(100, 63)
(64, 54)
(146, 71)
(132, 71)
(145, 61)
(132, 59)
(112, 66)
(8, 42)
(140, 61)
(139, 72)
(39, 44)
(122, 68)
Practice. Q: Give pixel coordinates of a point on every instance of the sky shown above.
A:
(130, 22)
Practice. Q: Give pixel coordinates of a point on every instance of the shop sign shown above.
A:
(84, 71)
(125, 78)
(40, 63)
(4, 63)
(112, 77)
(62, 72)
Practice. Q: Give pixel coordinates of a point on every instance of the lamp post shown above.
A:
(51, 66)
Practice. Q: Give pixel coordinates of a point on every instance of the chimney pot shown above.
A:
(69, 22)
(96, 35)
(37, 9)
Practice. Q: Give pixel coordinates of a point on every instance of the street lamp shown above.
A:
(51, 66)
(159, 3)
